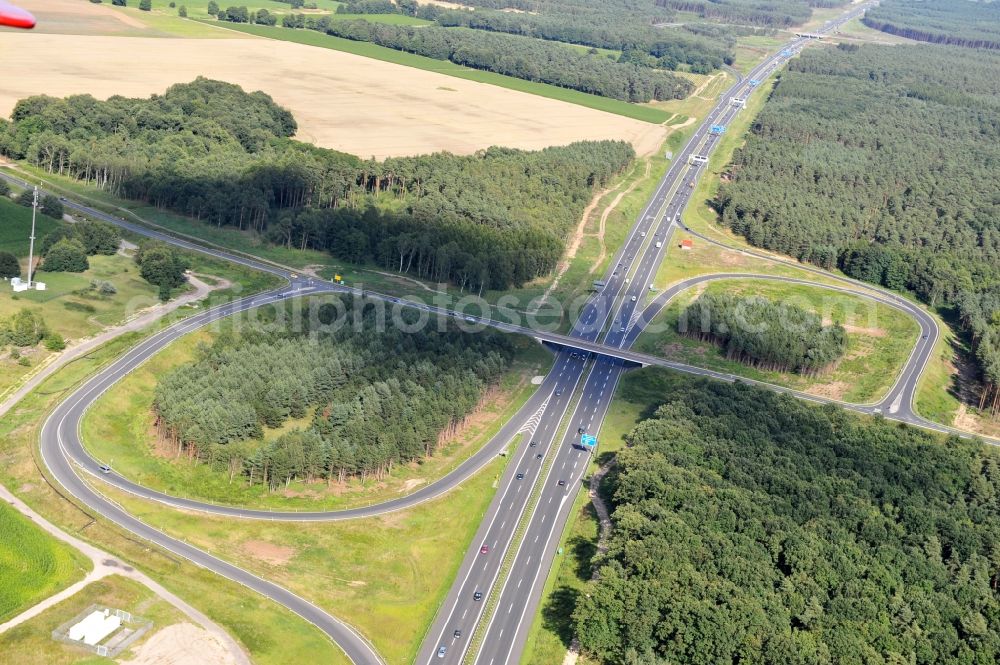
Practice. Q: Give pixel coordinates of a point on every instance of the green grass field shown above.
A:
(15, 227)
(33, 564)
(117, 430)
(368, 50)
(880, 339)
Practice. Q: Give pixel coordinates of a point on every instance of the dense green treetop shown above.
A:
(379, 397)
(778, 336)
(751, 527)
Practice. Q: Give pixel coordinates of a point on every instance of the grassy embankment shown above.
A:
(118, 430)
(272, 635)
(33, 565)
(385, 575)
(880, 339)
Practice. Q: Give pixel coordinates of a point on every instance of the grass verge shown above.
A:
(385, 575)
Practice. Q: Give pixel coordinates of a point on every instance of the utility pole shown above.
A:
(31, 244)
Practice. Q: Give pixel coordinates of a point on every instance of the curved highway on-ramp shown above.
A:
(540, 417)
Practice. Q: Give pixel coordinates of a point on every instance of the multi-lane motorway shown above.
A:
(544, 472)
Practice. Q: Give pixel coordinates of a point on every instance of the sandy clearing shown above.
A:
(358, 105)
(180, 644)
(272, 553)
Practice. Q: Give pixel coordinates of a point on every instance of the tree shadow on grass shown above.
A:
(557, 614)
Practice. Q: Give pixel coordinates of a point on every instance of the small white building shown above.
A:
(19, 284)
(95, 627)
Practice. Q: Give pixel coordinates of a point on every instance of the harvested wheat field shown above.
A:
(342, 101)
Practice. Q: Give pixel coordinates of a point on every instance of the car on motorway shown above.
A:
(520, 476)
(558, 393)
(562, 483)
(442, 651)
(581, 430)
(643, 234)
(659, 245)
(573, 355)
(484, 549)
(104, 468)
(622, 329)
(532, 444)
(633, 298)
(457, 634)
(477, 596)
(470, 319)
(538, 456)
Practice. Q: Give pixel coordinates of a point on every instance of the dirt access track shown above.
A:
(343, 101)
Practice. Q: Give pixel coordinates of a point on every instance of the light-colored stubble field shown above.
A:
(343, 101)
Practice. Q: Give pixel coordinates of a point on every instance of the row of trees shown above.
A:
(243, 15)
(610, 28)
(882, 161)
(968, 24)
(763, 333)
(210, 151)
(378, 397)
(513, 55)
(770, 13)
(750, 527)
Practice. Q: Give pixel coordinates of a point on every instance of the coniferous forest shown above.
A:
(377, 397)
(750, 527)
(209, 150)
(763, 333)
(957, 22)
(882, 161)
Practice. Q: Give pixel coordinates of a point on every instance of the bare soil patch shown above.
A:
(831, 390)
(181, 644)
(412, 483)
(276, 555)
(343, 101)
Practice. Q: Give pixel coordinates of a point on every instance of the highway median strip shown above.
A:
(522, 526)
